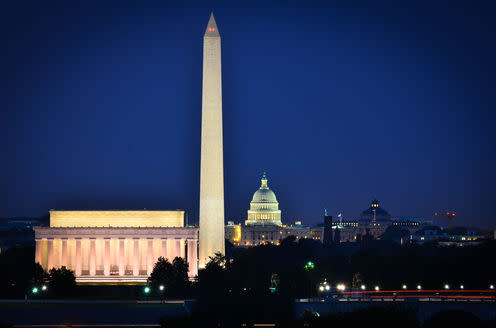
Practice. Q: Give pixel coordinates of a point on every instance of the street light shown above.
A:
(44, 287)
(34, 290)
(146, 290)
(404, 286)
(321, 288)
(376, 288)
(461, 287)
(327, 287)
(491, 286)
(419, 287)
(446, 286)
(161, 287)
(341, 287)
(362, 287)
(310, 265)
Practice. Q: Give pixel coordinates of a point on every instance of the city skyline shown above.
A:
(114, 122)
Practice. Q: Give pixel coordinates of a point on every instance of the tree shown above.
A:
(180, 278)
(288, 241)
(61, 281)
(161, 273)
(40, 276)
(16, 271)
(218, 260)
(395, 233)
(357, 281)
(173, 276)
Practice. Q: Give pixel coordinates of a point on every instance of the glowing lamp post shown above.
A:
(309, 266)
(161, 288)
(34, 290)
(146, 290)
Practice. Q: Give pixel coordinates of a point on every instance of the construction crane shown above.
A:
(448, 215)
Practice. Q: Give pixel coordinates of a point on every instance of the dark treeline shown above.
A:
(382, 263)
(248, 271)
(237, 287)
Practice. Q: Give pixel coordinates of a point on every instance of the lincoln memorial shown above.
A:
(115, 246)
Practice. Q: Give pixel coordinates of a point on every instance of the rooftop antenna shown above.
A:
(325, 211)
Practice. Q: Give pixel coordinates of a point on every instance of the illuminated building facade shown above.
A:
(317, 233)
(412, 224)
(459, 236)
(375, 219)
(264, 207)
(263, 224)
(115, 246)
(260, 235)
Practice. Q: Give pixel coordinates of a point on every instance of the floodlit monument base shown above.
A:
(113, 254)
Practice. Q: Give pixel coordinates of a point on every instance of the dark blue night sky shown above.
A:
(101, 106)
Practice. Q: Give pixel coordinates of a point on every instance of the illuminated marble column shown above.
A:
(78, 261)
(37, 254)
(50, 254)
(163, 252)
(71, 253)
(64, 261)
(106, 257)
(157, 250)
(149, 256)
(57, 252)
(171, 247)
(92, 257)
(136, 258)
(183, 248)
(122, 263)
(99, 254)
(178, 252)
(192, 257)
(44, 253)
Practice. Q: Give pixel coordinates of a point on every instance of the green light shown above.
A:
(147, 290)
(310, 265)
(34, 290)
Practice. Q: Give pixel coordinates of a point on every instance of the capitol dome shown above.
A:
(264, 207)
(264, 196)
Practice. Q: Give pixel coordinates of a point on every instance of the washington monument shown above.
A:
(212, 167)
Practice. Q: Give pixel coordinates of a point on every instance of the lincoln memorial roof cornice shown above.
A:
(116, 232)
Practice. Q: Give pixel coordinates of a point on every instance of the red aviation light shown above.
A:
(435, 214)
(211, 29)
